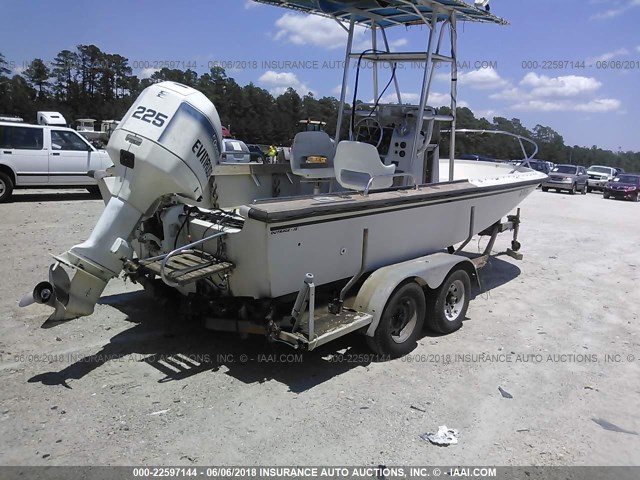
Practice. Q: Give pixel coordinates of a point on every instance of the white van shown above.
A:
(46, 156)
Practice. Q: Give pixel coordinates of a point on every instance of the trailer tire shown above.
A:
(401, 322)
(450, 303)
(6, 187)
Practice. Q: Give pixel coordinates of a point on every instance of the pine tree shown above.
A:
(38, 75)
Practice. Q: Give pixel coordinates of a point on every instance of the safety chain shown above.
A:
(214, 192)
(275, 183)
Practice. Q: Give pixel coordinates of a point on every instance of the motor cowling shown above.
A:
(167, 143)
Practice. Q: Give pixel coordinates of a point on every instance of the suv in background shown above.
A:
(567, 177)
(46, 156)
(599, 175)
(235, 151)
(538, 165)
(257, 155)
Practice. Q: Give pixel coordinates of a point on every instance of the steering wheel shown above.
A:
(369, 130)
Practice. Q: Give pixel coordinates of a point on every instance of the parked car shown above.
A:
(46, 156)
(549, 164)
(235, 151)
(539, 165)
(625, 186)
(599, 175)
(257, 155)
(567, 177)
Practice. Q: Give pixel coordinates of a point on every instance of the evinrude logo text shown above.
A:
(203, 156)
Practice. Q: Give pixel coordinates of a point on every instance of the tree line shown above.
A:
(90, 83)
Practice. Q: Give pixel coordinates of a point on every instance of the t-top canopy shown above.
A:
(386, 13)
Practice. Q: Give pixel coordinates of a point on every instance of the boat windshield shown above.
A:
(633, 179)
(600, 169)
(565, 169)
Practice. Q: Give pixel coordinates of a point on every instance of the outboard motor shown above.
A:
(167, 143)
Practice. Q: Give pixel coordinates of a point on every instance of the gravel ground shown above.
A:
(121, 387)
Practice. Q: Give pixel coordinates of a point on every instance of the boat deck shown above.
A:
(286, 209)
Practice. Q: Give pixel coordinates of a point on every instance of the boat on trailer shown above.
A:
(349, 235)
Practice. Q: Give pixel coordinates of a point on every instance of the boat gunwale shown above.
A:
(372, 202)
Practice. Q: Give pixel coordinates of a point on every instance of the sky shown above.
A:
(572, 65)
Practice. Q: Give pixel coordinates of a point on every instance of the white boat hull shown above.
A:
(283, 240)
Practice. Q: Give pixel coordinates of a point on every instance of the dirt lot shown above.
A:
(117, 387)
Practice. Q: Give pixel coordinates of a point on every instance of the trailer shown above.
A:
(390, 306)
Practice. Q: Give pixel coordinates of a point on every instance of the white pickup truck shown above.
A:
(46, 156)
(599, 175)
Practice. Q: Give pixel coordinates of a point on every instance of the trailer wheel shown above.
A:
(6, 187)
(401, 322)
(450, 303)
(545, 189)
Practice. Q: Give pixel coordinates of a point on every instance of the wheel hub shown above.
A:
(403, 321)
(454, 301)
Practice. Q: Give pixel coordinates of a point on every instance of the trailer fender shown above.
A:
(430, 270)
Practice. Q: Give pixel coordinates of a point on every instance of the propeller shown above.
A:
(48, 293)
(42, 293)
(26, 300)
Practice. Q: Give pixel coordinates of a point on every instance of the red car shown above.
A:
(625, 186)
